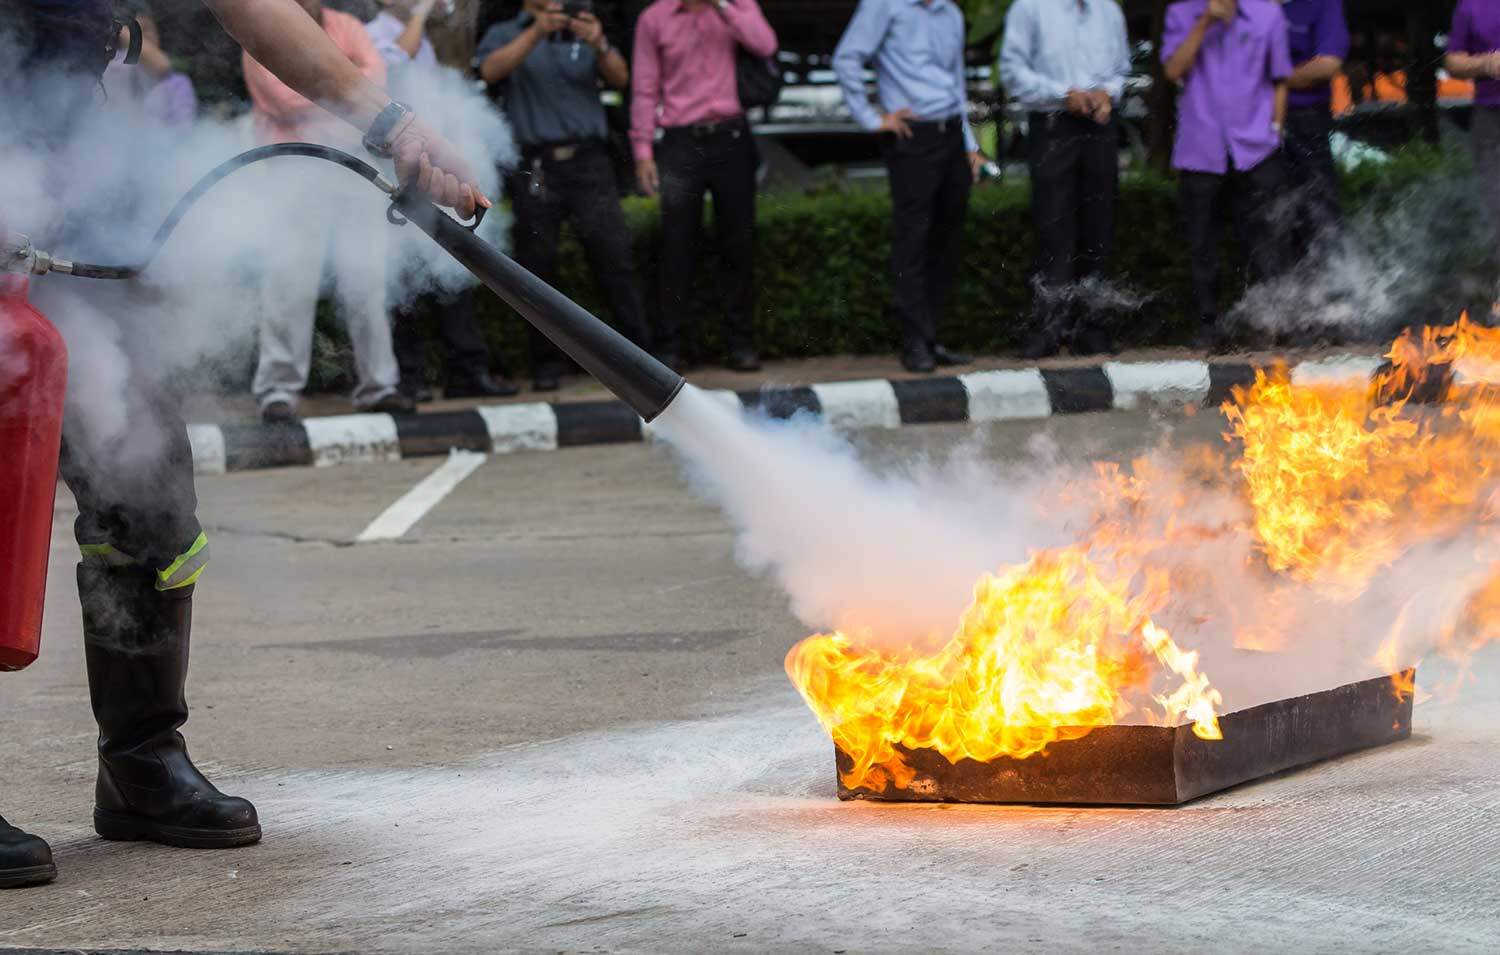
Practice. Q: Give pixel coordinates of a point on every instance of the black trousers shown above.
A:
(125, 453)
(1254, 196)
(1075, 179)
(1311, 175)
(720, 162)
(930, 186)
(582, 192)
(466, 356)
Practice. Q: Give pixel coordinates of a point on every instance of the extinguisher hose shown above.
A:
(213, 178)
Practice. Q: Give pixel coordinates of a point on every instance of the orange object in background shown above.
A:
(1391, 88)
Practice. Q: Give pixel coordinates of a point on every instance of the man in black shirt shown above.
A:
(549, 66)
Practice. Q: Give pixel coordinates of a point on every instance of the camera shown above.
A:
(572, 8)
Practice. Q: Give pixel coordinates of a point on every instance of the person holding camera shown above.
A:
(547, 64)
(686, 85)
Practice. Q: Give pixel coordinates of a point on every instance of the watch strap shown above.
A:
(387, 126)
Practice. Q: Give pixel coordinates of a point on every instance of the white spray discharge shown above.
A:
(92, 181)
(891, 556)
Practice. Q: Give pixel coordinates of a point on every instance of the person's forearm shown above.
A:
(280, 35)
(1468, 66)
(154, 61)
(503, 62)
(1318, 71)
(1185, 57)
(410, 40)
(1279, 113)
(749, 26)
(614, 70)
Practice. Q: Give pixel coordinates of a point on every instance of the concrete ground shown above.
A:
(553, 717)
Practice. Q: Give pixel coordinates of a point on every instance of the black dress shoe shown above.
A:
(393, 403)
(743, 359)
(918, 360)
(1091, 340)
(24, 859)
(947, 358)
(421, 394)
(481, 386)
(278, 412)
(1040, 344)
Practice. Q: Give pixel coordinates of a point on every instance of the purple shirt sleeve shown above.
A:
(1463, 38)
(173, 100)
(1281, 49)
(1333, 31)
(1180, 20)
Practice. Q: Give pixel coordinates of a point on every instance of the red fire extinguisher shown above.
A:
(33, 379)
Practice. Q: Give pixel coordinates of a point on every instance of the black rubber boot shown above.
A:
(136, 644)
(24, 859)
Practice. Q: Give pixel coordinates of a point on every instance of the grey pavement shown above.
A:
(553, 717)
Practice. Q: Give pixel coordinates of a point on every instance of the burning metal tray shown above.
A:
(1166, 766)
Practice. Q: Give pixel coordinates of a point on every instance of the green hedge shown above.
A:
(824, 288)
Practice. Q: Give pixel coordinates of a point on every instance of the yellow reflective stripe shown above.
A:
(105, 554)
(185, 569)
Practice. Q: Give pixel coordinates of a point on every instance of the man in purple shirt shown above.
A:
(1232, 60)
(1319, 44)
(1474, 54)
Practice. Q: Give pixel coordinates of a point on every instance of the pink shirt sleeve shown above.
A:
(749, 27)
(645, 86)
(272, 98)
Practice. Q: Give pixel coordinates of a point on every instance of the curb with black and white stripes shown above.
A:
(1010, 394)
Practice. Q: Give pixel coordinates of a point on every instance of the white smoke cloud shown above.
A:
(93, 182)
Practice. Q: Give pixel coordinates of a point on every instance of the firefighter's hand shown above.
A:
(440, 173)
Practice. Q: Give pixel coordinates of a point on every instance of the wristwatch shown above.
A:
(391, 122)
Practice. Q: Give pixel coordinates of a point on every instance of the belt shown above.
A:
(939, 126)
(557, 152)
(709, 129)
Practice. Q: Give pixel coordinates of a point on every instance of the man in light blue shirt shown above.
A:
(917, 49)
(1066, 62)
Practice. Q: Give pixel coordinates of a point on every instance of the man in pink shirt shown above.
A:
(338, 224)
(684, 83)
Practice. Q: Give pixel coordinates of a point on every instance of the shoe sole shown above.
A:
(119, 827)
(35, 875)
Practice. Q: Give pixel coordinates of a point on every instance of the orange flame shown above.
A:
(1338, 481)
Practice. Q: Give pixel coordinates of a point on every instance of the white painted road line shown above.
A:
(401, 516)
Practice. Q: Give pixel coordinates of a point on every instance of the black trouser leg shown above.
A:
(915, 181)
(1262, 217)
(409, 340)
(1055, 161)
(1098, 191)
(681, 164)
(538, 221)
(945, 243)
(1312, 175)
(594, 210)
(731, 179)
(1484, 138)
(467, 357)
(1199, 192)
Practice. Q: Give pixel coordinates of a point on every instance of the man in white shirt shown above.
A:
(1066, 62)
